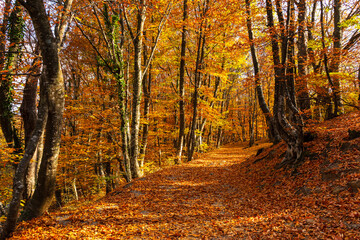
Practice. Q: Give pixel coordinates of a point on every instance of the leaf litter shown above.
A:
(230, 193)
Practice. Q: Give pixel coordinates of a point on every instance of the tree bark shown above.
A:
(290, 132)
(50, 117)
(137, 85)
(197, 79)
(147, 97)
(336, 56)
(29, 116)
(330, 112)
(273, 133)
(301, 83)
(197, 84)
(358, 78)
(180, 142)
(7, 63)
(53, 84)
(18, 182)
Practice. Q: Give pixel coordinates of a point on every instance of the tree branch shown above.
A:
(160, 27)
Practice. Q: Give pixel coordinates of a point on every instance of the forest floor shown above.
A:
(230, 193)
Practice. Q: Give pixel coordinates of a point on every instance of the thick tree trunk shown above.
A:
(5, 110)
(18, 182)
(53, 84)
(291, 133)
(29, 116)
(290, 65)
(108, 180)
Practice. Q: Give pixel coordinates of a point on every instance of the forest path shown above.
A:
(229, 193)
(192, 200)
(188, 201)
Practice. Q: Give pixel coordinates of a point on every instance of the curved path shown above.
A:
(194, 200)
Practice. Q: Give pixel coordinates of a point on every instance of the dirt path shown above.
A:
(190, 201)
(222, 195)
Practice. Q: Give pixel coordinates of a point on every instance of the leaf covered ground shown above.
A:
(230, 193)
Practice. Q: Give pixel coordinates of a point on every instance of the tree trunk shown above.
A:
(15, 35)
(197, 84)
(252, 107)
(336, 56)
(18, 182)
(301, 83)
(74, 189)
(358, 78)
(124, 127)
(137, 85)
(147, 94)
(50, 116)
(180, 141)
(29, 116)
(273, 133)
(53, 84)
(108, 180)
(291, 133)
(330, 112)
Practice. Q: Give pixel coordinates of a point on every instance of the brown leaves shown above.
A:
(225, 194)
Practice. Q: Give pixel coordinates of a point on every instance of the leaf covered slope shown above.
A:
(230, 193)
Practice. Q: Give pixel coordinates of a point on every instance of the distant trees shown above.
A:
(293, 98)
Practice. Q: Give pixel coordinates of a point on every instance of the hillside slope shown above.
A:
(230, 193)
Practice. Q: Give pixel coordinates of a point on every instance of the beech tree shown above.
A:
(49, 120)
(273, 132)
(181, 138)
(290, 128)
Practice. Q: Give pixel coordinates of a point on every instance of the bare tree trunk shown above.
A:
(273, 133)
(330, 112)
(50, 116)
(137, 85)
(147, 94)
(181, 137)
(18, 182)
(301, 83)
(358, 78)
(316, 67)
(29, 116)
(197, 84)
(335, 63)
(15, 35)
(252, 106)
(73, 185)
(52, 80)
(291, 133)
